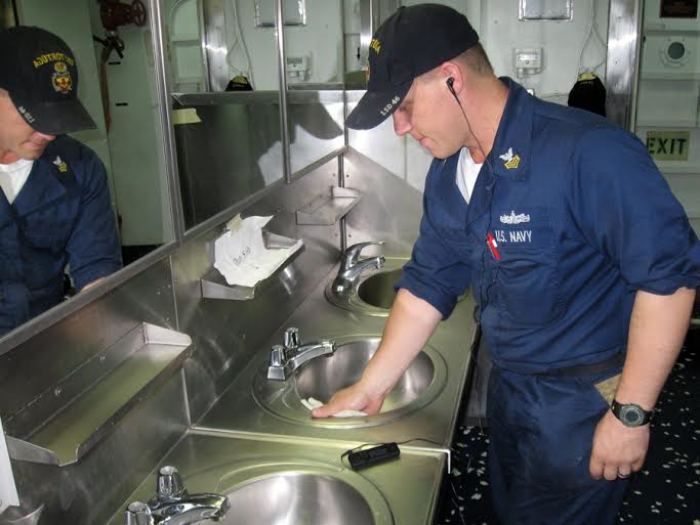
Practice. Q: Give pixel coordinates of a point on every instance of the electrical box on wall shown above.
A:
(298, 67)
(678, 9)
(294, 13)
(671, 15)
(671, 54)
(527, 61)
(545, 9)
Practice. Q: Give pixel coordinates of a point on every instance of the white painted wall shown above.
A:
(135, 139)
(321, 39)
(562, 43)
(185, 46)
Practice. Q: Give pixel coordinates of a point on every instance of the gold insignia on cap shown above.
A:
(375, 45)
(61, 79)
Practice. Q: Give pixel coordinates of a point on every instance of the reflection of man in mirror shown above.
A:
(55, 210)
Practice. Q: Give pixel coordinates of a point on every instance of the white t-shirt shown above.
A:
(467, 172)
(13, 176)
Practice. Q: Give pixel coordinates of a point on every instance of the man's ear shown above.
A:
(450, 70)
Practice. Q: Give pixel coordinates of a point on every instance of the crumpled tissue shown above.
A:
(312, 403)
(241, 256)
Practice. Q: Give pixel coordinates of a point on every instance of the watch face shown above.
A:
(631, 415)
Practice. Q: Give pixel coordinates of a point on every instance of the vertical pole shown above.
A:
(341, 184)
(622, 72)
(162, 81)
(281, 64)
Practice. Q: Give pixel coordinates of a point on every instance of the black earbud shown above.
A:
(450, 85)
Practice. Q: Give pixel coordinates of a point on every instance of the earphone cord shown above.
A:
(466, 119)
(483, 294)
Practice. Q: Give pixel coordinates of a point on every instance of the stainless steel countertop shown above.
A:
(316, 318)
(400, 492)
(238, 435)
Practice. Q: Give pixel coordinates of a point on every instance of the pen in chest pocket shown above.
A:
(493, 246)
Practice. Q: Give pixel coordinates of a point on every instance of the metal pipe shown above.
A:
(203, 45)
(215, 45)
(162, 83)
(622, 72)
(281, 59)
(341, 184)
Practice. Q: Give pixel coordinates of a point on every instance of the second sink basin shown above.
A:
(373, 293)
(298, 494)
(378, 289)
(321, 377)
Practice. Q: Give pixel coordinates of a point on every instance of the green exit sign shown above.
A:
(668, 145)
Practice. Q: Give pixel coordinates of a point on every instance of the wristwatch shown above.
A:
(630, 414)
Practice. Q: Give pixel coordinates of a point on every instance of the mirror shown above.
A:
(314, 69)
(118, 89)
(361, 18)
(226, 111)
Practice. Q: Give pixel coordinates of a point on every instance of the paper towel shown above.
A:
(241, 256)
(312, 403)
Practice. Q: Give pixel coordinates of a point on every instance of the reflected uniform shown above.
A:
(568, 219)
(62, 216)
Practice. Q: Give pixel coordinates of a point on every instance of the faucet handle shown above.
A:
(277, 356)
(169, 484)
(352, 253)
(291, 338)
(138, 513)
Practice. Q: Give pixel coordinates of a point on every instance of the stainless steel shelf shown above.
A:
(214, 285)
(326, 210)
(153, 355)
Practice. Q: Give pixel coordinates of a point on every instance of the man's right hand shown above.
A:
(354, 397)
(410, 324)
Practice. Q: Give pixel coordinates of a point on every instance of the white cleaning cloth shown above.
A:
(241, 256)
(312, 403)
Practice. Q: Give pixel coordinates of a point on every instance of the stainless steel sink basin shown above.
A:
(264, 489)
(321, 377)
(374, 293)
(305, 496)
(294, 497)
(378, 289)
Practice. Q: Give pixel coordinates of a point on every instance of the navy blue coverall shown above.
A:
(568, 219)
(62, 216)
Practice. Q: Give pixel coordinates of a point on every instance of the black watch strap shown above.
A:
(629, 414)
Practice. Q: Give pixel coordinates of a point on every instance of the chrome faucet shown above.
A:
(351, 266)
(289, 356)
(173, 505)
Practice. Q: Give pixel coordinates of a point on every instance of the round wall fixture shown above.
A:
(676, 50)
(674, 53)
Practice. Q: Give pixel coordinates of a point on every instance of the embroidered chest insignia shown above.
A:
(514, 219)
(60, 164)
(511, 160)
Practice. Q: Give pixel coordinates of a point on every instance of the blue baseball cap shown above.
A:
(39, 72)
(411, 42)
